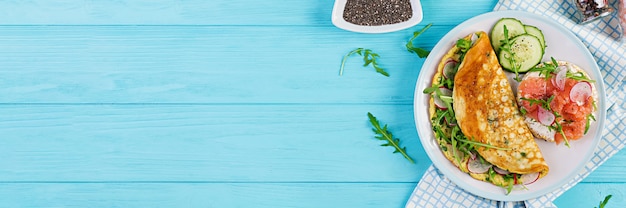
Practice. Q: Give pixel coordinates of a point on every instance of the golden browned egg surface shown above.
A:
(487, 112)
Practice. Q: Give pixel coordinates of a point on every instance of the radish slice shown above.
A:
(449, 69)
(474, 38)
(529, 178)
(472, 155)
(500, 170)
(475, 166)
(580, 92)
(559, 79)
(458, 153)
(545, 116)
(440, 103)
(448, 122)
(445, 91)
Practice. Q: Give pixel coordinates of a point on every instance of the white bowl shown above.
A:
(338, 21)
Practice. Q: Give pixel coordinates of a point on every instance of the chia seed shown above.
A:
(377, 12)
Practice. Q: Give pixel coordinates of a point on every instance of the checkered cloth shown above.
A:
(602, 40)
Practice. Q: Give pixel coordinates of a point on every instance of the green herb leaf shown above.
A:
(523, 111)
(550, 68)
(464, 44)
(547, 69)
(369, 57)
(422, 53)
(483, 144)
(606, 200)
(578, 76)
(509, 188)
(432, 89)
(589, 118)
(506, 46)
(384, 134)
(546, 105)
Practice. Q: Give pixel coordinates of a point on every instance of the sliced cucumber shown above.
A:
(532, 30)
(528, 53)
(514, 26)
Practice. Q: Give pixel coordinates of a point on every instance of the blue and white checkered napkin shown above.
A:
(601, 38)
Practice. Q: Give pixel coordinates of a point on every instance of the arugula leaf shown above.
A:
(383, 134)
(432, 89)
(547, 69)
(578, 76)
(422, 53)
(550, 68)
(464, 44)
(488, 146)
(545, 104)
(606, 200)
(589, 117)
(506, 46)
(523, 111)
(369, 57)
(511, 182)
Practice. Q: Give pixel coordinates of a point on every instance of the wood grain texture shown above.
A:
(275, 143)
(212, 143)
(251, 195)
(199, 12)
(205, 194)
(161, 103)
(171, 64)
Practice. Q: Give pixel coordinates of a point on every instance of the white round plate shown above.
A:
(338, 21)
(564, 162)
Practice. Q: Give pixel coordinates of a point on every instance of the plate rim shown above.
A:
(427, 137)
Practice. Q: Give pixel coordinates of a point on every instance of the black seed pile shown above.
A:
(377, 12)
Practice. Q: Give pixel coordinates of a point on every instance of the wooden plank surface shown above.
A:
(278, 143)
(141, 103)
(199, 12)
(251, 195)
(172, 64)
(242, 143)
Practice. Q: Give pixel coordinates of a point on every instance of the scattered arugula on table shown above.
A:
(369, 57)
(603, 203)
(382, 133)
(422, 53)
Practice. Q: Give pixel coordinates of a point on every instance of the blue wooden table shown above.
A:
(162, 103)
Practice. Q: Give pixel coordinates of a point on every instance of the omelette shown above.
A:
(476, 120)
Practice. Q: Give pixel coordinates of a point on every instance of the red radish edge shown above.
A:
(545, 116)
(500, 170)
(445, 91)
(475, 166)
(438, 102)
(580, 92)
(448, 68)
(529, 178)
(559, 79)
(447, 122)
